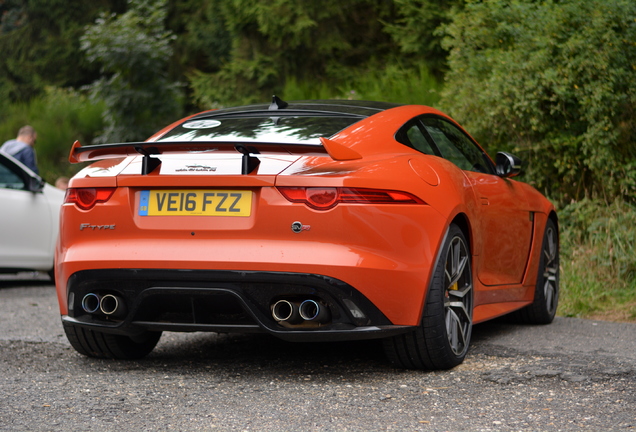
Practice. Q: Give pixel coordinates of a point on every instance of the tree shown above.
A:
(134, 50)
(39, 42)
(326, 41)
(555, 81)
(203, 41)
(416, 30)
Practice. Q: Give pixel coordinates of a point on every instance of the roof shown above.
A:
(334, 107)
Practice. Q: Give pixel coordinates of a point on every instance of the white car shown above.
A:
(29, 219)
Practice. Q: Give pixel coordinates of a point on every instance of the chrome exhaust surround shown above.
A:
(112, 305)
(109, 305)
(288, 312)
(311, 310)
(90, 303)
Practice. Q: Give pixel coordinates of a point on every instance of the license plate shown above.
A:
(195, 203)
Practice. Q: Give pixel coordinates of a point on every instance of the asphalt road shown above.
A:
(571, 375)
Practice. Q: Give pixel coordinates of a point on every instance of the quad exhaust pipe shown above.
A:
(295, 312)
(90, 303)
(110, 305)
(286, 311)
(311, 310)
(113, 306)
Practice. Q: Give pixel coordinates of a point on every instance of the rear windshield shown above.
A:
(286, 130)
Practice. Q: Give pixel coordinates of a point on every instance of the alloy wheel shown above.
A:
(458, 296)
(550, 270)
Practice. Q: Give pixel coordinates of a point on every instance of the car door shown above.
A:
(26, 221)
(503, 220)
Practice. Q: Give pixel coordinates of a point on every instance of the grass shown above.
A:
(587, 293)
(598, 260)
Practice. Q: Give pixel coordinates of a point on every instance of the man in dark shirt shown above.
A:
(22, 148)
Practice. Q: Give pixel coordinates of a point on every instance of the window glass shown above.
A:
(456, 146)
(271, 129)
(9, 179)
(418, 140)
(411, 135)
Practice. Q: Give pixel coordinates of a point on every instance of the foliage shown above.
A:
(554, 80)
(39, 42)
(203, 41)
(415, 30)
(392, 83)
(133, 49)
(231, 51)
(609, 232)
(598, 244)
(60, 117)
(12, 15)
(329, 41)
(401, 84)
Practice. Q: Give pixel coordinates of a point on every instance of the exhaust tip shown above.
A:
(311, 310)
(112, 305)
(285, 311)
(91, 303)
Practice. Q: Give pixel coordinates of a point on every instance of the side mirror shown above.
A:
(507, 165)
(35, 184)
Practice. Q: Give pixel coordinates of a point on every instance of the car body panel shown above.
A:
(30, 220)
(506, 228)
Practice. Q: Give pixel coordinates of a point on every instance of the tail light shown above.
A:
(326, 198)
(86, 198)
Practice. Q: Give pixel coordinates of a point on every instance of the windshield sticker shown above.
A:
(201, 124)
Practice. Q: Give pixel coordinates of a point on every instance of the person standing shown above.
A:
(23, 147)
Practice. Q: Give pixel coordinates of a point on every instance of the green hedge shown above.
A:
(60, 117)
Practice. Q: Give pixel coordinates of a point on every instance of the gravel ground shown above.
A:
(571, 375)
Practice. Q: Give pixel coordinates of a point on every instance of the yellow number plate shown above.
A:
(195, 203)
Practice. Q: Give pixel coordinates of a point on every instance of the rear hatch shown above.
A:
(208, 191)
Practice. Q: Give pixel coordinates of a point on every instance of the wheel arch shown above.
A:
(555, 218)
(462, 221)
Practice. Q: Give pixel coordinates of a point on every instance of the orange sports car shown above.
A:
(309, 221)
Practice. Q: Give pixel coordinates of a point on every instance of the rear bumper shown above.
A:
(386, 252)
(224, 302)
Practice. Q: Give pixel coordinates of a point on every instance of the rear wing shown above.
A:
(148, 149)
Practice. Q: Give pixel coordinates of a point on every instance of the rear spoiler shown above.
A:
(148, 149)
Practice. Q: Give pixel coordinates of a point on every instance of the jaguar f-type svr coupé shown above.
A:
(310, 221)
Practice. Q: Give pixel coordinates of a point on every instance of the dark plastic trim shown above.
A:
(253, 292)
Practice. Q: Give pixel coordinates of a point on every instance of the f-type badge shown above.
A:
(299, 227)
(84, 226)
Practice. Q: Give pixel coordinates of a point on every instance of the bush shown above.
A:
(554, 81)
(389, 83)
(133, 50)
(607, 232)
(598, 247)
(396, 83)
(301, 41)
(60, 117)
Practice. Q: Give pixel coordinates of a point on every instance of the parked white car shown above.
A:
(29, 218)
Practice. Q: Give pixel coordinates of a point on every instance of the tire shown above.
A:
(97, 344)
(546, 292)
(441, 340)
